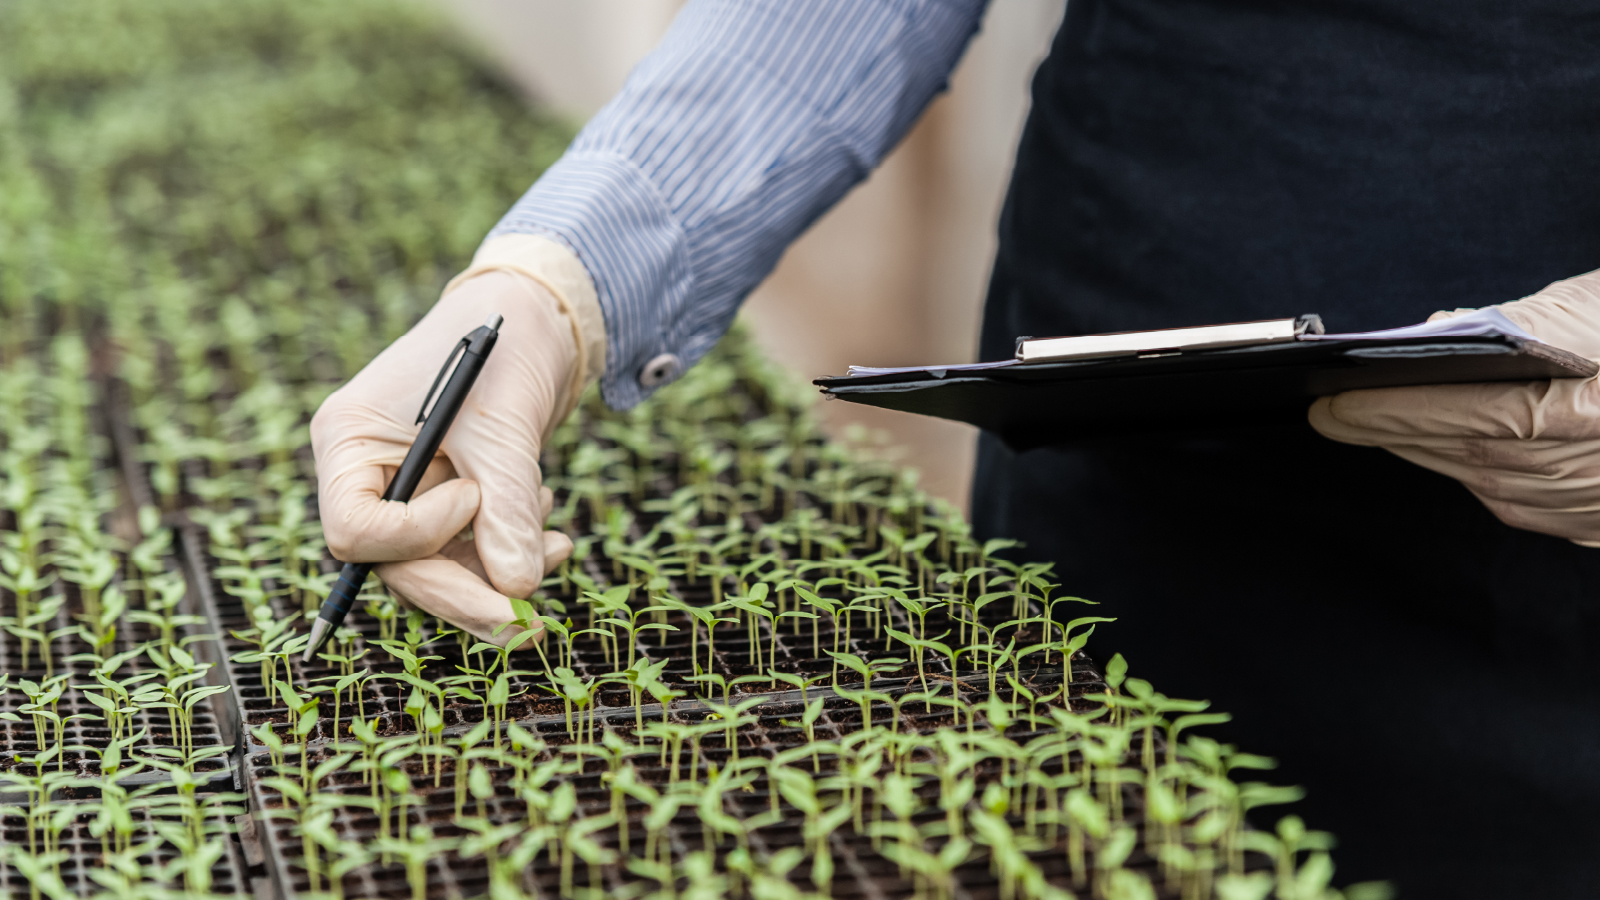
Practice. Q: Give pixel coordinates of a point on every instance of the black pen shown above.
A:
(473, 351)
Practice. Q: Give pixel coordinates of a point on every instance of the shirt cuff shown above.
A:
(602, 207)
(558, 270)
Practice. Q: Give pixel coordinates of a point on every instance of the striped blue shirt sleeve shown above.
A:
(747, 122)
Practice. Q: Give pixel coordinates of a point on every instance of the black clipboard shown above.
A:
(1039, 404)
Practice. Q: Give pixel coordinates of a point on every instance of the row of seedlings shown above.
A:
(114, 766)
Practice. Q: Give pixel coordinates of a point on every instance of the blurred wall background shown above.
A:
(895, 275)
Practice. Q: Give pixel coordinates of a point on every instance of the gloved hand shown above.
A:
(1529, 450)
(488, 472)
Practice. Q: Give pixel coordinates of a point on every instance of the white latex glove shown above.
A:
(487, 474)
(1529, 450)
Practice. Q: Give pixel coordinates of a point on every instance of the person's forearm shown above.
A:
(750, 120)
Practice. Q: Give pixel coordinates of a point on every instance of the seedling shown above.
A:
(796, 681)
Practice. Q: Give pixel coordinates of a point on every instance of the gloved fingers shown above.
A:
(438, 472)
(1548, 465)
(1577, 525)
(465, 554)
(1529, 451)
(358, 449)
(1485, 465)
(360, 526)
(1380, 416)
(509, 527)
(1567, 507)
(449, 590)
(1560, 410)
(557, 547)
(1550, 476)
(497, 445)
(363, 430)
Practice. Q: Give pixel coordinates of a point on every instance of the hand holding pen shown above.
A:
(486, 475)
(438, 412)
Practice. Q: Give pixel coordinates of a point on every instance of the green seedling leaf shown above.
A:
(1087, 812)
(329, 766)
(343, 684)
(291, 698)
(851, 661)
(1251, 761)
(1254, 886)
(1117, 848)
(563, 802)
(520, 638)
(182, 657)
(1195, 720)
(959, 796)
(1163, 804)
(478, 783)
(1116, 671)
(1254, 794)
(190, 698)
(100, 701)
(307, 721)
(996, 799)
(267, 737)
(523, 610)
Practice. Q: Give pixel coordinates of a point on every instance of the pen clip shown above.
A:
(422, 413)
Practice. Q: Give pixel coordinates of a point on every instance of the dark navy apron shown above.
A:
(1431, 676)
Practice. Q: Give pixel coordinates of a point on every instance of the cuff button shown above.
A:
(660, 370)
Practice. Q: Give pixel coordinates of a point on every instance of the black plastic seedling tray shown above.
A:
(85, 853)
(859, 870)
(212, 722)
(84, 738)
(792, 650)
(383, 698)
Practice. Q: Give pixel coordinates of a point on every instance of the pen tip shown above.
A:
(495, 321)
(319, 630)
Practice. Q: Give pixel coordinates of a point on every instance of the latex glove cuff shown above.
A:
(538, 260)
